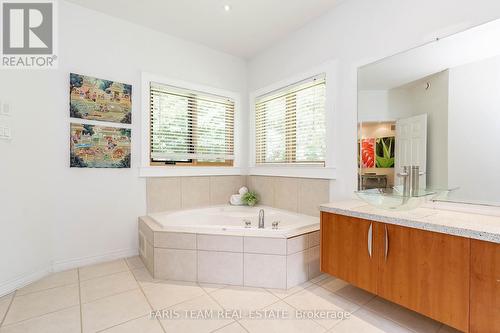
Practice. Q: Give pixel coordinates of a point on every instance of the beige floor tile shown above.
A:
(231, 328)
(4, 305)
(356, 295)
(193, 321)
(106, 286)
(243, 298)
(143, 275)
(64, 321)
(364, 321)
(344, 289)
(332, 283)
(141, 325)
(42, 302)
(211, 287)
(114, 310)
(319, 278)
(317, 298)
(102, 269)
(283, 293)
(135, 262)
(51, 281)
(165, 294)
(402, 316)
(290, 324)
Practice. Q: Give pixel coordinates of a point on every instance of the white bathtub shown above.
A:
(230, 220)
(212, 245)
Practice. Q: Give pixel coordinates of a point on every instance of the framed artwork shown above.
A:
(98, 99)
(384, 152)
(94, 146)
(368, 153)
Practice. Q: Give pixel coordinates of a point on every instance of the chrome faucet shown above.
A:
(261, 219)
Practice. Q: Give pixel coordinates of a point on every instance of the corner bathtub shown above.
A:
(230, 220)
(212, 245)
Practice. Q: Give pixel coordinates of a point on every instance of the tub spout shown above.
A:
(261, 219)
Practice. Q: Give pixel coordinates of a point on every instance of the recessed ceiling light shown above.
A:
(227, 8)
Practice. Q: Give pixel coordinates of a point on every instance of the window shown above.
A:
(190, 127)
(290, 124)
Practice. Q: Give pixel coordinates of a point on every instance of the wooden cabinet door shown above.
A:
(485, 287)
(345, 250)
(426, 272)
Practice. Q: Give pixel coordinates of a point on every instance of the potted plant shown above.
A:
(250, 198)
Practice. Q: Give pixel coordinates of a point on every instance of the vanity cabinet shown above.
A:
(347, 250)
(485, 287)
(424, 271)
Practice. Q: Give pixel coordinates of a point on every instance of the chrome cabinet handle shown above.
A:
(370, 232)
(386, 242)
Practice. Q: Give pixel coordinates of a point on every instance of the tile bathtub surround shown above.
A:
(46, 308)
(276, 263)
(171, 193)
(301, 195)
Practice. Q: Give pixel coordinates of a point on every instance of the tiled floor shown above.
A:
(118, 297)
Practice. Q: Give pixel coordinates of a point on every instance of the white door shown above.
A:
(411, 145)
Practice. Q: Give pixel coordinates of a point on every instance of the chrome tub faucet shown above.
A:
(261, 219)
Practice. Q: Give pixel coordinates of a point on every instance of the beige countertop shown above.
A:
(470, 225)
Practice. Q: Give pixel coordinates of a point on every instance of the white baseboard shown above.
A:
(9, 286)
(63, 265)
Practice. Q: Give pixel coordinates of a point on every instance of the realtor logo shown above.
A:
(28, 34)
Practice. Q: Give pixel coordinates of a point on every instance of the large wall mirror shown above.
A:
(436, 107)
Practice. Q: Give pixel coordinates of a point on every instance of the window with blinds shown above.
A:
(290, 124)
(190, 127)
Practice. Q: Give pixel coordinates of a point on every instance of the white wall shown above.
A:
(355, 33)
(474, 101)
(373, 106)
(49, 212)
(434, 102)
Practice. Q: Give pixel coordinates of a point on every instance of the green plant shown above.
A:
(250, 198)
(385, 153)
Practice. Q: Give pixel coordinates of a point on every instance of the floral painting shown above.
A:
(368, 153)
(95, 146)
(98, 99)
(384, 152)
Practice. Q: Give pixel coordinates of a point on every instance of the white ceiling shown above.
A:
(249, 27)
(470, 46)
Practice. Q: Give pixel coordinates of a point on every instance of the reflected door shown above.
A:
(411, 145)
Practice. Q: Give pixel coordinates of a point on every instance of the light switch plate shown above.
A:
(6, 111)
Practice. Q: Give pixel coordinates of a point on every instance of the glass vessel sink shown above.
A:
(394, 199)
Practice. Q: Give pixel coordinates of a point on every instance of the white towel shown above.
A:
(243, 190)
(235, 200)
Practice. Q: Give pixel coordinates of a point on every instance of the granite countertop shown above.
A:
(470, 225)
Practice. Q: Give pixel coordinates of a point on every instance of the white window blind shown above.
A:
(290, 124)
(188, 126)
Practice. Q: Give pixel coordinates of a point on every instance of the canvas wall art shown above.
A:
(98, 99)
(368, 153)
(95, 146)
(384, 152)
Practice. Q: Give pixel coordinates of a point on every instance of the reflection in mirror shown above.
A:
(436, 107)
